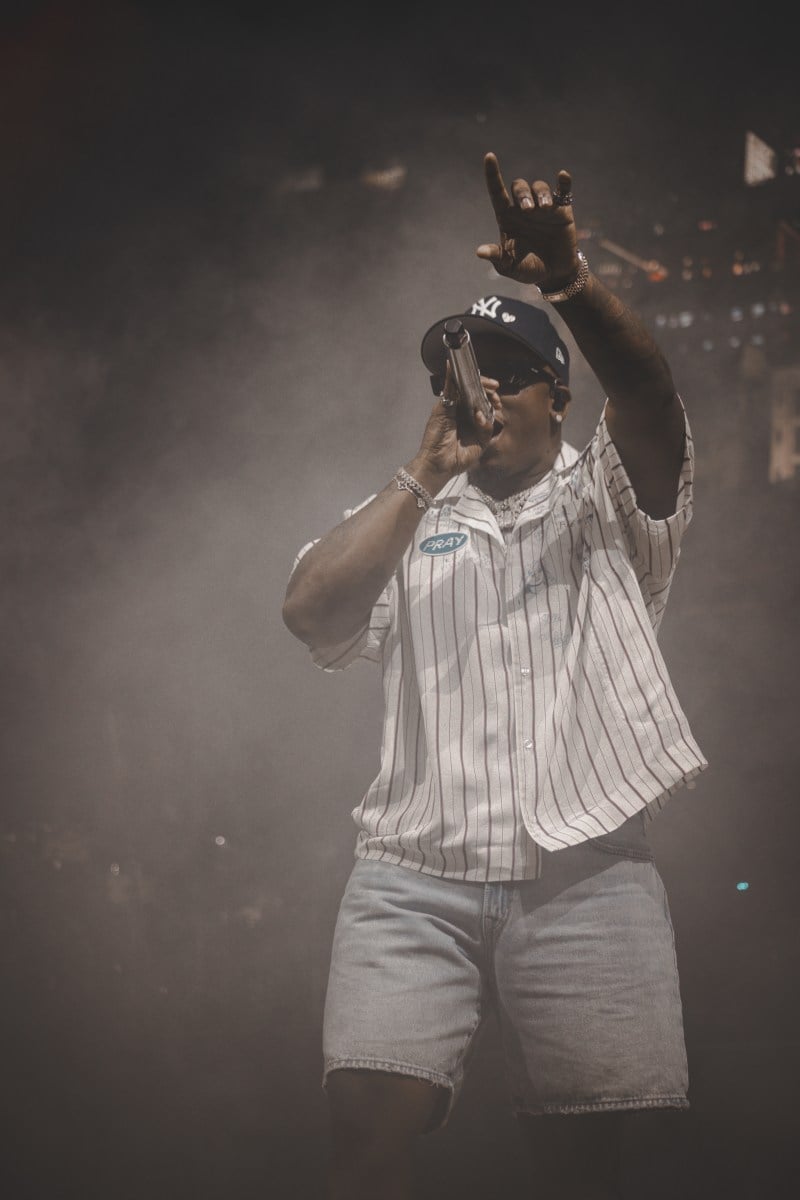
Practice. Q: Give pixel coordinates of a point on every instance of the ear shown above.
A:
(561, 396)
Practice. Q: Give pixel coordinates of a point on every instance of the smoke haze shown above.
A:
(209, 347)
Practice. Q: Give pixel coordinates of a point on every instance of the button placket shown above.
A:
(531, 580)
(520, 670)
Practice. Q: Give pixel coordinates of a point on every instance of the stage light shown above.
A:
(387, 179)
(760, 160)
(742, 887)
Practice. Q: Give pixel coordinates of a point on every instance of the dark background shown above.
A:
(210, 315)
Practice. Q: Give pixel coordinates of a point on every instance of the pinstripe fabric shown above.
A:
(527, 704)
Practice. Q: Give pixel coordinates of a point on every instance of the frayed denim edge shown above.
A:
(606, 1105)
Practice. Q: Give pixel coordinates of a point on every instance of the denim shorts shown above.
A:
(578, 965)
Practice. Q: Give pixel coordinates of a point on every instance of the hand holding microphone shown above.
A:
(462, 421)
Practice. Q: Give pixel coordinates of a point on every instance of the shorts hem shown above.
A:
(604, 1105)
(387, 1064)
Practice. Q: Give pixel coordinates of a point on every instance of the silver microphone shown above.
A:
(466, 373)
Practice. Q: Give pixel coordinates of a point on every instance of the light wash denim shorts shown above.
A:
(578, 965)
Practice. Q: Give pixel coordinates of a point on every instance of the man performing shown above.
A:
(511, 589)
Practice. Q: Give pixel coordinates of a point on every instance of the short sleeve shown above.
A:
(652, 544)
(368, 642)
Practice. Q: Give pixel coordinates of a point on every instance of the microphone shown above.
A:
(464, 366)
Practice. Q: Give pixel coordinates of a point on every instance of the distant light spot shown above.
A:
(219, 839)
(114, 868)
(742, 887)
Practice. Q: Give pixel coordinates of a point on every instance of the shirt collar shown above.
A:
(470, 509)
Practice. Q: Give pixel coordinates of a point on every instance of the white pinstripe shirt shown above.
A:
(527, 704)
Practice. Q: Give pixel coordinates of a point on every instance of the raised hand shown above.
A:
(538, 240)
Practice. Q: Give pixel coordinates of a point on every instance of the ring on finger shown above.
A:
(562, 199)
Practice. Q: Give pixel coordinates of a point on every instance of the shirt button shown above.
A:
(529, 744)
(524, 670)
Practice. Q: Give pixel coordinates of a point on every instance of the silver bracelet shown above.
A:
(572, 289)
(407, 483)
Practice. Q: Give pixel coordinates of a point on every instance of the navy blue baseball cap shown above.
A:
(523, 323)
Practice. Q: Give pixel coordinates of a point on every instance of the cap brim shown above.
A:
(434, 352)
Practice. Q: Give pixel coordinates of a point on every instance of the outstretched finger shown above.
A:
(498, 194)
(564, 187)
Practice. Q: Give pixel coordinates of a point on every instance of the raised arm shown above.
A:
(538, 245)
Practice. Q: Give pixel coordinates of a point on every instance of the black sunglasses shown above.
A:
(511, 381)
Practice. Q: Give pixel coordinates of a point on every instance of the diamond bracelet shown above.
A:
(408, 483)
(572, 289)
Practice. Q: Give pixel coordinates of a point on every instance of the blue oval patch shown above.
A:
(443, 543)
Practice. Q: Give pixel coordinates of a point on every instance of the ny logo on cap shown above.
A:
(486, 308)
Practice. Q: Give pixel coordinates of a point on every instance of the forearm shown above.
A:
(644, 417)
(335, 585)
(618, 347)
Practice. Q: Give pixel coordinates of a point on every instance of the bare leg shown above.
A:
(580, 1156)
(375, 1118)
(575, 1156)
